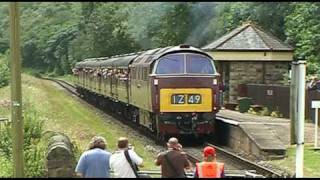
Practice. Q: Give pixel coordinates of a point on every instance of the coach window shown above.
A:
(133, 72)
(145, 73)
(140, 73)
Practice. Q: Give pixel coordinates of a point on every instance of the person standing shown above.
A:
(119, 163)
(209, 168)
(173, 161)
(94, 163)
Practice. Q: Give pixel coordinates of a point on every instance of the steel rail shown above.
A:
(247, 163)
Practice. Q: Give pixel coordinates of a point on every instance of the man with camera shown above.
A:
(124, 161)
(173, 161)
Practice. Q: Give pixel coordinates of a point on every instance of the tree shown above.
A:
(302, 28)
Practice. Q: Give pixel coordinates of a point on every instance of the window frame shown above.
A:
(185, 65)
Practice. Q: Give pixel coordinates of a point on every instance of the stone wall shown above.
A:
(242, 73)
(275, 71)
(239, 138)
(252, 72)
(60, 160)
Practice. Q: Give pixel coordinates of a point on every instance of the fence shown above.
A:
(277, 97)
(3, 121)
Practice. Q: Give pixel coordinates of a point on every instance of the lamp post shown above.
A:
(300, 115)
(16, 99)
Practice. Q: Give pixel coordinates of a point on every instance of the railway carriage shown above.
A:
(169, 91)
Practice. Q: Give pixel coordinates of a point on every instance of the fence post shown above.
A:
(316, 128)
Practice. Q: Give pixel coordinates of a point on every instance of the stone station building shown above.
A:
(249, 55)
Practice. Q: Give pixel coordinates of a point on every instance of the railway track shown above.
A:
(240, 162)
(66, 85)
(236, 166)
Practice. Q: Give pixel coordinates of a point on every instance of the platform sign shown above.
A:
(316, 105)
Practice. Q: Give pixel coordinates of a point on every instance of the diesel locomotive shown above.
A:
(168, 91)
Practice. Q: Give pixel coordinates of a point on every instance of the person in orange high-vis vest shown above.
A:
(209, 168)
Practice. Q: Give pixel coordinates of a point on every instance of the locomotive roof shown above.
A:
(181, 48)
(145, 57)
(152, 55)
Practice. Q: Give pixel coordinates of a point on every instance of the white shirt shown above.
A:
(120, 165)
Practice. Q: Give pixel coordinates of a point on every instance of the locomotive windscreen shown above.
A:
(198, 64)
(185, 63)
(171, 64)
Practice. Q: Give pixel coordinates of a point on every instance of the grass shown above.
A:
(69, 78)
(63, 113)
(311, 160)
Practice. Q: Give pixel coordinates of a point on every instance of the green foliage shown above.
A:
(313, 67)
(35, 160)
(5, 141)
(276, 114)
(4, 71)
(57, 35)
(286, 79)
(251, 111)
(34, 152)
(33, 127)
(302, 29)
(33, 72)
(5, 166)
(264, 112)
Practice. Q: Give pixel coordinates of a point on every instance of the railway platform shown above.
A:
(264, 137)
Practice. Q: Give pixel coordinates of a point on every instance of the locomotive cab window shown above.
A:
(185, 63)
(197, 64)
(171, 64)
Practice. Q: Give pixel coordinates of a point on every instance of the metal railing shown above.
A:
(228, 174)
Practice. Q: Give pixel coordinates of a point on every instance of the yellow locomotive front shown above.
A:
(185, 92)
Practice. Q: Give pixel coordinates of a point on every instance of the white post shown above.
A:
(293, 103)
(300, 117)
(316, 128)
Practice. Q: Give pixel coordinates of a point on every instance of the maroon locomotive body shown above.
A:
(169, 91)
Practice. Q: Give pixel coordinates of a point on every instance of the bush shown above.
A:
(276, 114)
(265, 112)
(251, 111)
(34, 160)
(4, 72)
(33, 72)
(34, 150)
(5, 166)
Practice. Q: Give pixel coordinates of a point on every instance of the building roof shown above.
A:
(248, 37)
